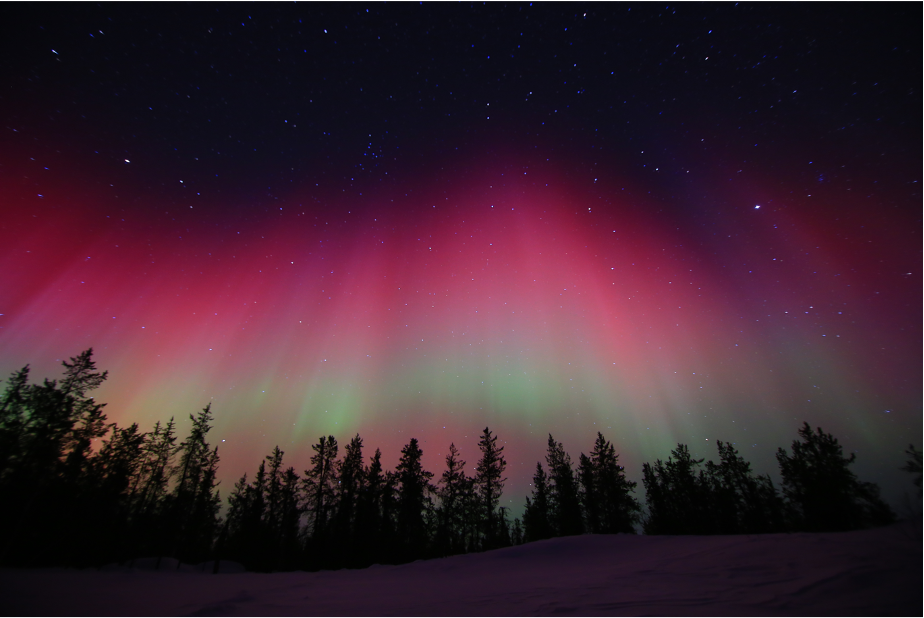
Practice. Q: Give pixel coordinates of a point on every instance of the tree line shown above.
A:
(66, 502)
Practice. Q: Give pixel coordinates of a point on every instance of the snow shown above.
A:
(867, 572)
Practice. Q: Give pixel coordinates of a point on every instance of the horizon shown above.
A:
(669, 226)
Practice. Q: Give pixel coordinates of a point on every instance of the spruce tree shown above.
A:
(449, 538)
(741, 502)
(391, 548)
(913, 466)
(371, 529)
(118, 464)
(191, 510)
(14, 406)
(537, 516)
(678, 494)
(150, 484)
(88, 420)
(319, 483)
(273, 514)
(204, 521)
(349, 489)
(489, 484)
(413, 500)
(149, 491)
(471, 516)
(606, 494)
(120, 458)
(564, 501)
(516, 532)
(262, 530)
(821, 491)
(290, 512)
(232, 544)
(46, 436)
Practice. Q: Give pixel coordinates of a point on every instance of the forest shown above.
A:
(64, 502)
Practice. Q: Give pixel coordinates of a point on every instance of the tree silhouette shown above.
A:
(352, 479)
(516, 532)
(742, 503)
(244, 535)
(149, 489)
(413, 500)
(372, 531)
(81, 377)
(489, 484)
(451, 491)
(679, 500)
(821, 491)
(289, 533)
(913, 465)
(251, 516)
(471, 515)
(273, 485)
(609, 507)
(536, 518)
(46, 433)
(319, 483)
(127, 493)
(14, 410)
(564, 501)
(192, 507)
(262, 530)
(116, 465)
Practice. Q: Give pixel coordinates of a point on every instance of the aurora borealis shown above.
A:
(668, 224)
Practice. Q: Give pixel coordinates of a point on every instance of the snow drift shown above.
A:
(866, 572)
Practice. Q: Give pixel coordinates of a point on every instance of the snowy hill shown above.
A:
(868, 572)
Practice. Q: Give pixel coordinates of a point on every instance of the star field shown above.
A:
(668, 223)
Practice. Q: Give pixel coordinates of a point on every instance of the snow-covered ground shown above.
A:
(869, 572)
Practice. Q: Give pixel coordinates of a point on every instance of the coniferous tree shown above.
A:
(489, 484)
(289, 537)
(516, 532)
(149, 490)
(319, 487)
(391, 549)
(564, 501)
(470, 508)
(609, 506)
(14, 406)
(120, 458)
(372, 532)
(351, 475)
(679, 499)
(742, 503)
(191, 509)
(537, 516)
(204, 521)
(821, 491)
(413, 500)
(913, 465)
(117, 464)
(450, 533)
(78, 478)
(590, 500)
(273, 490)
(90, 425)
(47, 431)
(150, 484)
(129, 493)
(262, 530)
(243, 524)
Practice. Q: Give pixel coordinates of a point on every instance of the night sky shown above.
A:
(669, 223)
